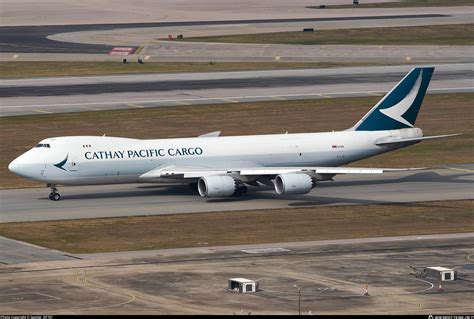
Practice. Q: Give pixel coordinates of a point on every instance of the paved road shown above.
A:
(15, 252)
(332, 278)
(21, 39)
(158, 90)
(147, 199)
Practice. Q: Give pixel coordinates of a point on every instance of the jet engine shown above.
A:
(294, 183)
(217, 186)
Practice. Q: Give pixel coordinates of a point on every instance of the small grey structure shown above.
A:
(242, 285)
(440, 273)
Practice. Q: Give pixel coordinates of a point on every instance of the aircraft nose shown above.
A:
(14, 166)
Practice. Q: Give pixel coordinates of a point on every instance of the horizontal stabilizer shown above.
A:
(413, 139)
(211, 134)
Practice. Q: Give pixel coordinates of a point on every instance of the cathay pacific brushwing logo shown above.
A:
(62, 163)
(395, 112)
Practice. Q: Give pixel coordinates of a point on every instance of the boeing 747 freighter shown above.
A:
(224, 166)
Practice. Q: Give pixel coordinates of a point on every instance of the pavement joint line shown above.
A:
(135, 105)
(42, 111)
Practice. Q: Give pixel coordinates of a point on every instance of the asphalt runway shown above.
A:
(98, 93)
(332, 276)
(33, 39)
(149, 199)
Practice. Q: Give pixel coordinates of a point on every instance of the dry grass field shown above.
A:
(402, 4)
(22, 69)
(440, 114)
(245, 227)
(453, 34)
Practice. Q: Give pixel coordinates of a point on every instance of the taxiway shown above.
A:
(97, 93)
(149, 199)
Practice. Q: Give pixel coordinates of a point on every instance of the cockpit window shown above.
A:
(43, 145)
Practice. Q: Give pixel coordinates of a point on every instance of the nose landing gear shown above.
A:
(54, 193)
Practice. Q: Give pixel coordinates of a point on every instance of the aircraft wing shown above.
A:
(176, 172)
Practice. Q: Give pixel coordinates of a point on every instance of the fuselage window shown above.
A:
(43, 145)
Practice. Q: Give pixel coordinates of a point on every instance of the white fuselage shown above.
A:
(90, 160)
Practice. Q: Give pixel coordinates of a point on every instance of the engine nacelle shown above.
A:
(294, 183)
(217, 186)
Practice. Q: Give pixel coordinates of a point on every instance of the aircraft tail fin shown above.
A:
(398, 108)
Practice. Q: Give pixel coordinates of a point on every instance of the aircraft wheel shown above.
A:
(54, 196)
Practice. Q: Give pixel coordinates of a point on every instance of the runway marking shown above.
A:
(81, 274)
(325, 96)
(460, 169)
(48, 297)
(139, 49)
(181, 102)
(91, 108)
(229, 100)
(417, 291)
(265, 250)
(135, 105)
(373, 93)
(42, 111)
(278, 98)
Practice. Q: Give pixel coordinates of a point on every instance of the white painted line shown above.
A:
(181, 102)
(92, 108)
(135, 105)
(374, 93)
(229, 100)
(42, 111)
(325, 95)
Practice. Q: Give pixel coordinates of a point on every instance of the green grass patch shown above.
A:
(440, 114)
(401, 4)
(245, 227)
(452, 34)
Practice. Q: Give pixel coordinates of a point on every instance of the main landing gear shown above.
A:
(54, 193)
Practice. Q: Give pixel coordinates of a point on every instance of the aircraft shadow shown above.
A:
(267, 192)
(141, 191)
(415, 178)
